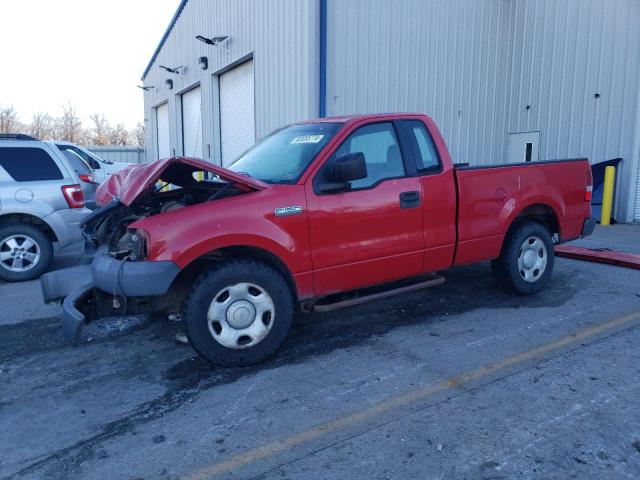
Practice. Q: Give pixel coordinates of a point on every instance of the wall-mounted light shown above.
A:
(203, 62)
(213, 40)
(171, 70)
(169, 83)
(217, 41)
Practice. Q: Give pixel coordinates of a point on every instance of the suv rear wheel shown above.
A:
(526, 261)
(238, 313)
(25, 252)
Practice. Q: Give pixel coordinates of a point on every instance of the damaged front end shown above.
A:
(118, 277)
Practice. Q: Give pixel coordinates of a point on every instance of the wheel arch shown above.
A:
(199, 264)
(541, 213)
(30, 220)
(538, 212)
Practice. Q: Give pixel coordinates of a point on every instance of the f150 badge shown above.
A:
(285, 211)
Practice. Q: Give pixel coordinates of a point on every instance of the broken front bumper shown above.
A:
(114, 277)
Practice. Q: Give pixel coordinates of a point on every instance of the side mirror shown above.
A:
(349, 167)
(345, 169)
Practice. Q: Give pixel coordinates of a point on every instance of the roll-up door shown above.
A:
(162, 130)
(192, 123)
(237, 125)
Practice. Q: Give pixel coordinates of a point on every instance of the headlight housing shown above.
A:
(131, 246)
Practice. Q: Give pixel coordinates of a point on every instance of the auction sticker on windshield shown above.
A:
(307, 139)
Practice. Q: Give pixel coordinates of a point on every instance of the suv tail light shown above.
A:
(74, 196)
(88, 177)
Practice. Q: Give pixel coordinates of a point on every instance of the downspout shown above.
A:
(322, 94)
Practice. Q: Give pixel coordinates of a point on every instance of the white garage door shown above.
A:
(192, 123)
(237, 126)
(162, 130)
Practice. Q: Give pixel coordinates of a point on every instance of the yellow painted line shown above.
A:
(340, 423)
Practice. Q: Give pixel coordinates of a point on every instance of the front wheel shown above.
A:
(526, 261)
(238, 313)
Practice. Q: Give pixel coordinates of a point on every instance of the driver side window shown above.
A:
(379, 145)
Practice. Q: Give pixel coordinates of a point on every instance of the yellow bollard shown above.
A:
(607, 195)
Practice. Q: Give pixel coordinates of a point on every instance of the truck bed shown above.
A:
(491, 196)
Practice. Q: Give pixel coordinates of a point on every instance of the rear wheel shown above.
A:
(238, 313)
(25, 252)
(526, 261)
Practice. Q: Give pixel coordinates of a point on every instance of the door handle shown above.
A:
(409, 199)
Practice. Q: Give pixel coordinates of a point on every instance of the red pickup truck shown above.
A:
(314, 209)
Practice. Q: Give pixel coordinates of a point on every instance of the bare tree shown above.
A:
(101, 130)
(69, 126)
(9, 122)
(41, 127)
(119, 135)
(138, 134)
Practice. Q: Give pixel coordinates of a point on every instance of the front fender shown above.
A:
(184, 235)
(284, 249)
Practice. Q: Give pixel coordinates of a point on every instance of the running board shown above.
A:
(325, 305)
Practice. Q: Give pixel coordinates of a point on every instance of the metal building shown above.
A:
(506, 80)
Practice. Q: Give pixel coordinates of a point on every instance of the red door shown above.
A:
(372, 233)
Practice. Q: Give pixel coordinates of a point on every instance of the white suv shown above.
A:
(102, 169)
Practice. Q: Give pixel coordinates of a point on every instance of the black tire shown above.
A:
(506, 268)
(215, 280)
(43, 244)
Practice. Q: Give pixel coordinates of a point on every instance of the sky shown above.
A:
(89, 52)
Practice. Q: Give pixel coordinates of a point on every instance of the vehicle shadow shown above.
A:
(467, 288)
(150, 354)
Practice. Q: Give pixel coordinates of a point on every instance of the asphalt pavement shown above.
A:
(462, 380)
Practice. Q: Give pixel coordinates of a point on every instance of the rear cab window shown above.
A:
(29, 164)
(424, 150)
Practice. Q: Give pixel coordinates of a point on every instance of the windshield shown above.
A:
(284, 155)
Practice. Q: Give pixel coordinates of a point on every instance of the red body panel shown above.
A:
(490, 199)
(354, 239)
(364, 237)
(439, 207)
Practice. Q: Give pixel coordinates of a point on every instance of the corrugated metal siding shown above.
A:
(280, 36)
(445, 58)
(474, 66)
(563, 54)
(119, 154)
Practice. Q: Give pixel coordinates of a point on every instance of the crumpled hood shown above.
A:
(130, 183)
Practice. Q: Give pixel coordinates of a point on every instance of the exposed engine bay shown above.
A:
(177, 188)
